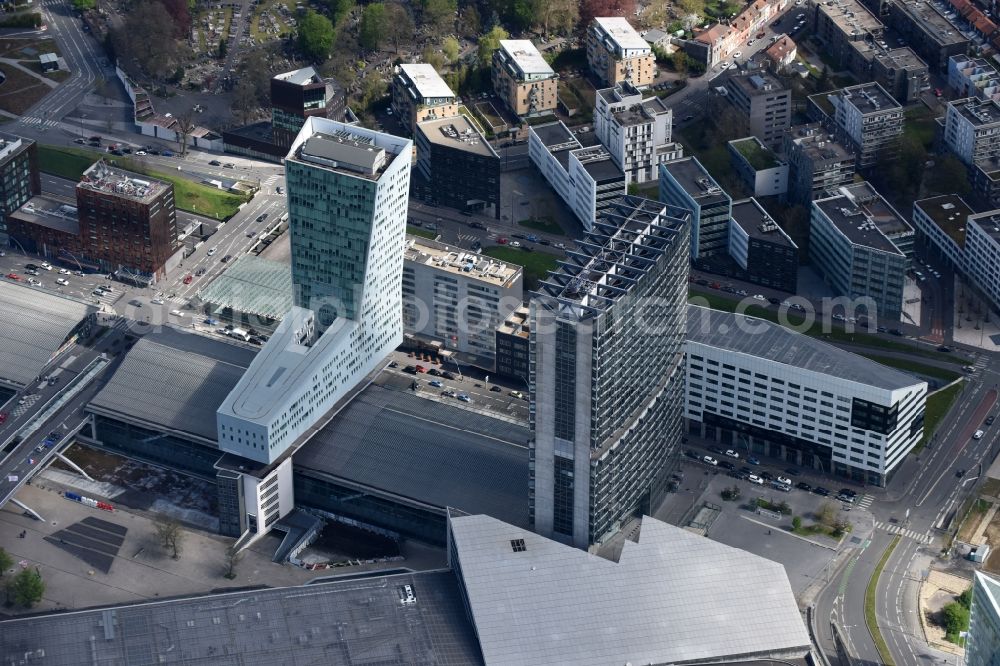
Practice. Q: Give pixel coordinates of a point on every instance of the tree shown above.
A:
(223, 48)
(185, 125)
(142, 39)
(489, 43)
(169, 531)
(399, 25)
(680, 61)
(84, 5)
(965, 598)
(556, 15)
(435, 59)
(315, 35)
(691, 6)
(439, 14)
(339, 9)
(178, 10)
(591, 8)
(469, 24)
(797, 523)
(6, 561)
(27, 588)
(373, 25)
(244, 102)
(451, 48)
(955, 618)
(826, 513)
(949, 176)
(233, 558)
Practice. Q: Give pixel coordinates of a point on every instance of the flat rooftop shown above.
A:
(10, 143)
(341, 623)
(299, 77)
(639, 114)
(756, 154)
(426, 80)
(253, 286)
(527, 58)
(536, 601)
(103, 177)
(51, 211)
(933, 22)
(598, 163)
(621, 33)
(775, 343)
(755, 221)
(869, 98)
(516, 323)
(758, 83)
(555, 136)
(457, 132)
(949, 212)
(854, 223)
(694, 179)
(851, 16)
(978, 112)
(989, 222)
(33, 326)
(880, 211)
(468, 265)
(902, 58)
(819, 145)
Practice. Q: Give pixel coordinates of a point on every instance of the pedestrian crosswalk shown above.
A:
(271, 180)
(865, 501)
(34, 121)
(468, 238)
(980, 363)
(921, 537)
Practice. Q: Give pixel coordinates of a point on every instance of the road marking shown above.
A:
(920, 537)
(865, 501)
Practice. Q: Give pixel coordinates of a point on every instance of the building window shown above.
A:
(517, 545)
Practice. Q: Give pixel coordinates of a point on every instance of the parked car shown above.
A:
(990, 419)
(188, 278)
(821, 491)
(753, 478)
(436, 383)
(464, 398)
(753, 460)
(710, 460)
(732, 454)
(802, 485)
(215, 163)
(978, 434)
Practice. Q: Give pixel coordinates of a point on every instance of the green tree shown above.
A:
(468, 21)
(451, 48)
(223, 47)
(83, 5)
(680, 61)
(489, 43)
(339, 9)
(797, 523)
(955, 618)
(373, 26)
(965, 598)
(6, 561)
(439, 14)
(949, 176)
(399, 25)
(315, 35)
(27, 588)
(826, 514)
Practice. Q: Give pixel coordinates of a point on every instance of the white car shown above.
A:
(157, 301)
(978, 434)
(710, 460)
(759, 297)
(515, 244)
(140, 153)
(785, 480)
(724, 64)
(737, 55)
(34, 282)
(734, 66)
(213, 251)
(46, 265)
(177, 313)
(63, 271)
(733, 454)
(753, 478)
(63, 281)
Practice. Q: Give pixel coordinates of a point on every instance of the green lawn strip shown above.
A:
(937, 406)
(915, 368)
(543, 224)
(870, 618)
(536, 264)
(835, 334)
(65, 162)
(417, 231)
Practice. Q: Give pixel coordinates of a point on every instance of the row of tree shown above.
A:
(24, 589)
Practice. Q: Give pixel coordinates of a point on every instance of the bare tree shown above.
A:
(171, 536)
(233, 558)
(185, 126)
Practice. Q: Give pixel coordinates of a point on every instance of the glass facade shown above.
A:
(565, 387)
(563, 494)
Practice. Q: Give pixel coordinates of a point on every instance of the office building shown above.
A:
(865, 117)
(761, 248)
(419, 94)
(764, 106)
(456, 297)
(982, 647)
(927, 31)
(685, 183)
(617, 53)
(942, 223)
(848, 32)
(456, 166)
(973, 77)
(763, 389)
(902, 73)
(512, 345)
(606, 373)
(861, 247)
(587, 179)
(636, 132)
(523, 79)
(347, 193)
(982, 254)
(758, 167)
(302, 94)
(817, 163)
(972, 129)
(19, 179)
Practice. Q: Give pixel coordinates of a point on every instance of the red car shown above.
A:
(421, 368)
(502, 240)
(938, 92)
(3, 416)
(188, 278)
(13, 276)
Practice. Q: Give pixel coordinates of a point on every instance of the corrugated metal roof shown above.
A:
(426, 451)
(673, 597)
(33, 325)
(254, 286)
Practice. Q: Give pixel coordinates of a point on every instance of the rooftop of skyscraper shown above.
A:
(624, 244)
(345, 150)
(108, 179)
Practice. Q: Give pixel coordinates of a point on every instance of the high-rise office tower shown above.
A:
(606, 372)
(348, 190)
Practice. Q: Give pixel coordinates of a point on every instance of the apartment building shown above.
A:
(19, 177)
(925, 28)
(617, 53)
(982, 254)
(761, 248)
(942, 223)
(606, 386)
(457, 298)
(522, 78)
(512, 348)
(420, 94)
(763, 389)
(864, 116)
(973, 77)
(817, 163)
(713, 45)
(972, 129)
(686, 184)
(456, 166)
(587, 179)
(848, 32)
(901, 72)
(849, 245)
(636, 131)
(764, 104)
(760, 169)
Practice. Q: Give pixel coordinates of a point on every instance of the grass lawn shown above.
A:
(938, 404)
(919, 124)
(423, 233)
(536, 264)
(20, 91)
(543, 224)
(699, 139)
(870, 618)
(915, 368)
(65, 162)
(835, 334)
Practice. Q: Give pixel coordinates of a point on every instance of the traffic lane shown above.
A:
(975, 422)
(893, 592)
(852, 608)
